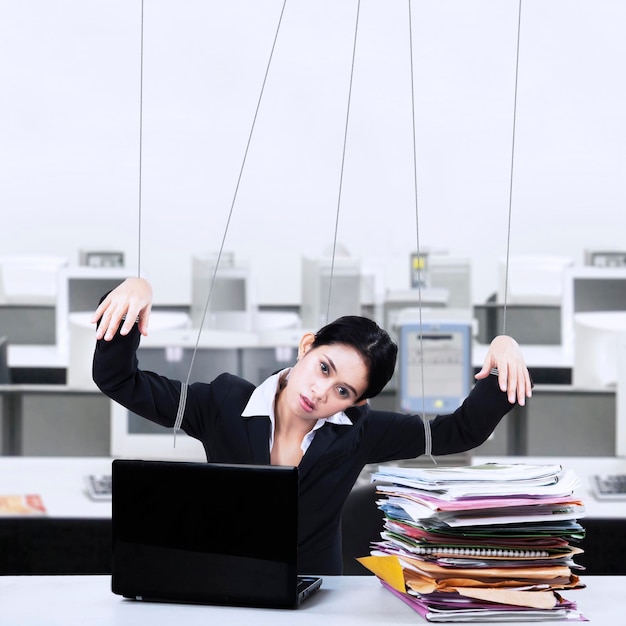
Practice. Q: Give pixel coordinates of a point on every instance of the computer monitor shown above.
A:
(54, 420)
(5, 374)
(323, 278)
(453, 274)
(232, 302)
(562, 421)
(586, 290)
(597, 362)
(434, 366)
(79, 291)
(620, 402)
(28, 294)
(29, 279)
(28, 324)
(532, 279)
(530, 324)
(400, 304)
(101, 258)
(605, 258)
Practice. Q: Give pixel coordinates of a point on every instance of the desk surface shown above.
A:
(61, 481)
(348, 601)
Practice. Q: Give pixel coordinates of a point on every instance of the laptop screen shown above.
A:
(203, 532)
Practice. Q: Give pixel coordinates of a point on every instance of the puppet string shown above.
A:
(185, 384)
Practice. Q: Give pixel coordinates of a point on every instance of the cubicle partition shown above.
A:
(54, 420)
(565, 421)
(28, 324)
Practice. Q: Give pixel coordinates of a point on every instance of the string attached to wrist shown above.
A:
(494, 371)
(181, 408)
(511, 178)
(185, 385)
(428, 439)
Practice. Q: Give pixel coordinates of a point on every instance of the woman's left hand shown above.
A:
(506, 356)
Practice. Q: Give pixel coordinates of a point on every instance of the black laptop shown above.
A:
(207, 533)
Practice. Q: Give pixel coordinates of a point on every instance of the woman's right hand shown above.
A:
(129, 302)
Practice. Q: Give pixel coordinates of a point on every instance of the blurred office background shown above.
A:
(70, 182)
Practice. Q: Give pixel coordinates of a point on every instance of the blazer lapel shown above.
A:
(326, 436)
(258, 439)
(323, 439)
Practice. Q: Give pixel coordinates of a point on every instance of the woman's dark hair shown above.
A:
(373, 343)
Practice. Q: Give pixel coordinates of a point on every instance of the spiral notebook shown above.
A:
(207, 533)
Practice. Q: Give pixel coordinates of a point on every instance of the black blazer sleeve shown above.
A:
(392, 436)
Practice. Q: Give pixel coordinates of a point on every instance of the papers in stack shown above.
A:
(480, 543)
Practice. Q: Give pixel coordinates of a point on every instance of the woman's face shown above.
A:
(325, 380)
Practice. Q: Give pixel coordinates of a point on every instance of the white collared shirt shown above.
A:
(261, 403)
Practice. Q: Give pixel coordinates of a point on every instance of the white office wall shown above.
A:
(69, 132)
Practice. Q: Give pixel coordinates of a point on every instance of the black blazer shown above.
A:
(336, 456)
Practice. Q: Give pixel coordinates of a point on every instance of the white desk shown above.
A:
(59, 481)
(345, 601)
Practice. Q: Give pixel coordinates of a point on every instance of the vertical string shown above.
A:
(238, 183)
(343, 159)
(428, 445)
(139, 211)
(184, 385)
(508, 238)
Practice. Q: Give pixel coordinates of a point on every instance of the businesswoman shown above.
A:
(313, 415)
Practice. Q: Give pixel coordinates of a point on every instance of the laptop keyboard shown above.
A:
(306, 586)
(609, 486)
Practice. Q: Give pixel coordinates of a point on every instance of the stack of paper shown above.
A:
(480, 543)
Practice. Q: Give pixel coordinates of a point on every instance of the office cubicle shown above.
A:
(587, 290)
(562, 420)
(529, 324)
(28, 324)
(330, 288)
(28, 292)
